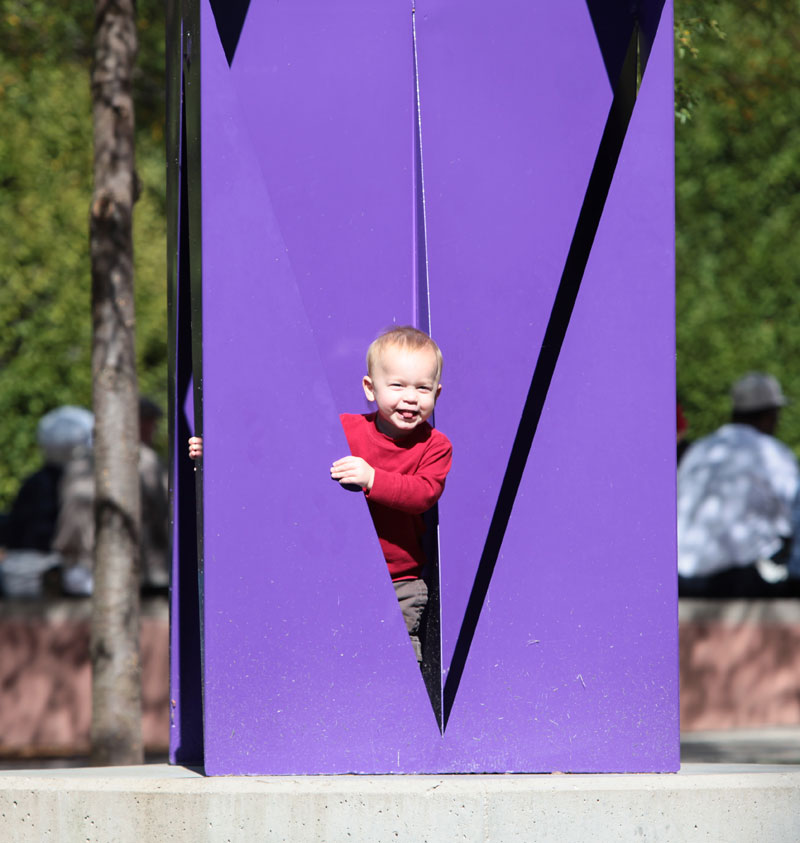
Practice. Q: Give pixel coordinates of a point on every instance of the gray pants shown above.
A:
(413, 598)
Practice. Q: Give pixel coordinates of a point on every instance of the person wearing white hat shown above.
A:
(736, 489)
(30, 535)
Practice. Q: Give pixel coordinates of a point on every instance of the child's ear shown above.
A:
(438, 390)
(369, 390)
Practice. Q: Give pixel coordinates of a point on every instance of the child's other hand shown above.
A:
(353, 471)
(196, 447)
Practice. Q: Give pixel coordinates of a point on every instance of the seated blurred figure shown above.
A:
(32, 522)
(736, 489)
(74, 536)
(75, 531)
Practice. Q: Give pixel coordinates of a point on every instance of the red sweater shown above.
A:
(409, 479)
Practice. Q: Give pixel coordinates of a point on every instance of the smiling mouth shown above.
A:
(408, 415)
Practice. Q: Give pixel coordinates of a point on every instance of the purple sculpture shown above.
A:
(493, 176)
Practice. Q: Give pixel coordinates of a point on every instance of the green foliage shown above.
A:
(738, 207)
(691, 28)
(45, 190)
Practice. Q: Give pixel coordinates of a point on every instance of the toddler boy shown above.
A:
(398, 459)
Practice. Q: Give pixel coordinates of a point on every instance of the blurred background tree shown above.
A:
(738, 203)
(45, 192)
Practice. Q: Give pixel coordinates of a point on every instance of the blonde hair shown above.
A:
(406, 337)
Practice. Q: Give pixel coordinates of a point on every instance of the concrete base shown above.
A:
(157, 802)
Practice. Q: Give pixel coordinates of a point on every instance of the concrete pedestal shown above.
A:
(136, 804)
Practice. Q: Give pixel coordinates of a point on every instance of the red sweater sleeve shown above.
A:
(418, 492)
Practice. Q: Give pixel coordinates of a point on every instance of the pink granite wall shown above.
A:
(739, 660)
(740, 664)
(45, 685)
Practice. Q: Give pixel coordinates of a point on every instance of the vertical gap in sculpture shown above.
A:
(193, 251)
(188, 743)
(422, 298)
(580, 248)
(431, 633)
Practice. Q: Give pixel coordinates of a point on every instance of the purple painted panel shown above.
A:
(511, 122)
(306, 655)
(308, 239)
(326, 93)
(578, 641)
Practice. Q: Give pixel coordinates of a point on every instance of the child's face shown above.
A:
(405, 388)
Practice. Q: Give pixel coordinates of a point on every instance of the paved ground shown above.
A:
(23, 764)
(774, 745)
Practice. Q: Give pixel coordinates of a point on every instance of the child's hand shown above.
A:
(353, 471)
(196, 447)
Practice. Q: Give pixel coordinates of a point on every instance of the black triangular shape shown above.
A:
(229, 17)
(649, 21)
(613, 24)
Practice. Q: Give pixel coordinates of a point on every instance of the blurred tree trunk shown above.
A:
(116, 731)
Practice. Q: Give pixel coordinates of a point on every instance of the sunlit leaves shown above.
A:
(738, 209)
(45, 189)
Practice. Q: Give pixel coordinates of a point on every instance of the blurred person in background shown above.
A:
(74, 535)
(75, 532)
(32, 522)
(736, 491)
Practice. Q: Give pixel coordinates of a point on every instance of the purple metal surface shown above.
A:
(309, 238)
(578, 641)
(505, 176)
(325, 91)
(307, 658)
